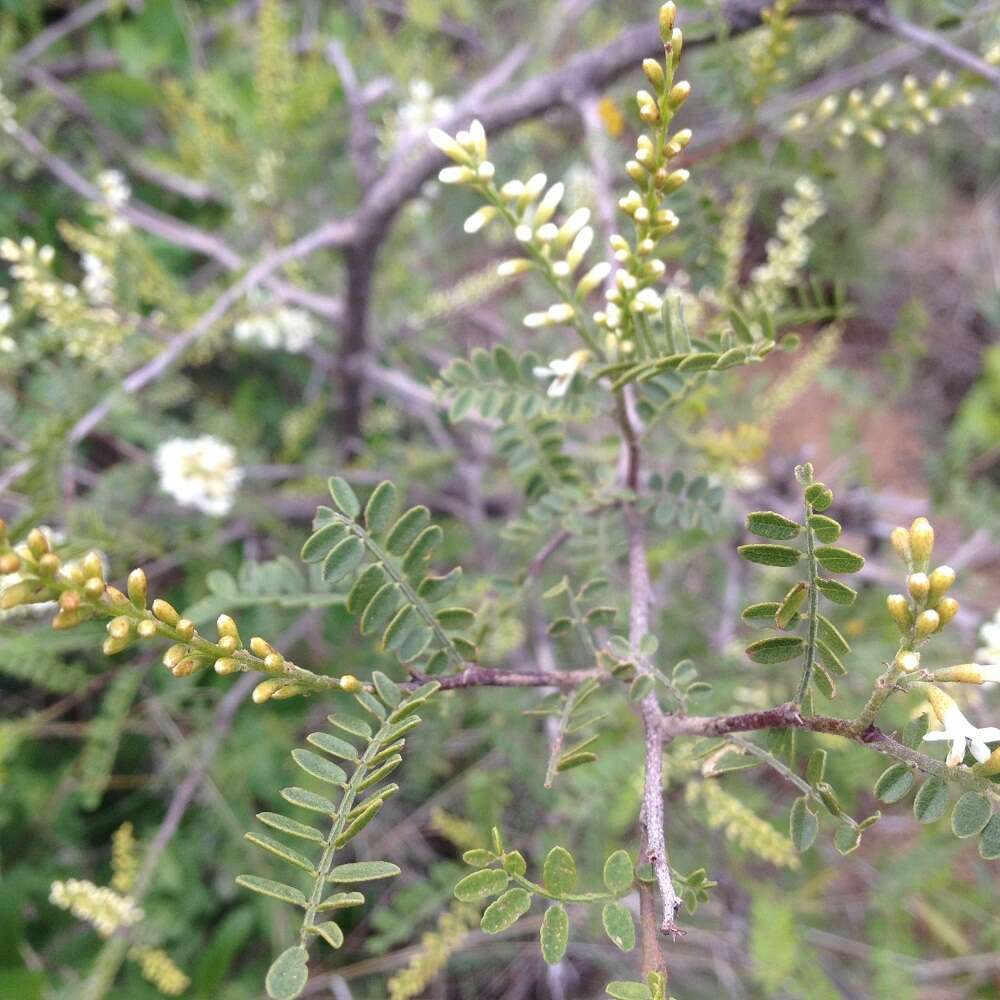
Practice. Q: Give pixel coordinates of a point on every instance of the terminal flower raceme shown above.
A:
(199, 472)
(562, 372)
(957, 729)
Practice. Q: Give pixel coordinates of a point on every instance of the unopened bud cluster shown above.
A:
(911, 108)
(653, 172)
(925, 609)
(555, 245)
(34, 574)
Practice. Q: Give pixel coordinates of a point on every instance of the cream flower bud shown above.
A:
(547, 233)
(946, 609)
(940, 581)
(523, 233)
(561, 312)
(513, 266)
(512, 190)
(668, 15)
(533, 188)
(919, 586)
(486, 170)
(654, 72)
(899, 609)
(477, 136)
(908, 660)
(921, 542)
(580, 246)
(927, 623)
(548, 205)
(593, 278)
(447, 145)
(573, 224)
(900, 539)
(479, 218)
(456, 175)
(536, 319)
(970, 673)
(679, 93)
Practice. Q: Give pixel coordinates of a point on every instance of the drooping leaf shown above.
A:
(777, 649)
(931, 801)
(330, 932)
(802, 824)
(280, 850)
(846, 839)
(290, 826)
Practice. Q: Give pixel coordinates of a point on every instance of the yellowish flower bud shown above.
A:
(654, 72)
(899, 609)
(119, 628)
(260, 647)
(447, 145)
(9, 563)
(907, 660)
(114, 598)
(679, 94)
(68, 618)
(174, 655)
(676, 46)
(147, 629)
(229, 643)
(69, 600)
(112, 646)
(636, 171)
(989, 766)
(20, 593)
(165, 612)
(514, 266)
(274, 662)
(946, 609)
(962, 673)
(187, 666)
(927, 623)
(940, 581)
(265, 690)
(185, 628)
(675, 180)
(351, 684)
(48, 564)
(900, 539)
(37, 543)
(288, 691)
(92, 566)
(226, 665)
(138, 588)
(94, 588)
(227, 626)
(919, 586)
(668, 15)
(921, 542)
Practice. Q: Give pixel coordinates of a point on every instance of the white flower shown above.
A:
(288, 329)
(562, 372)
(957, 729)
(199, 472)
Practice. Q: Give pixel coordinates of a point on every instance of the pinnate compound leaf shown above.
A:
(288, 974)
(505, 911)
(554, 934)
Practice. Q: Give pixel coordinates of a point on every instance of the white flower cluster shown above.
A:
(957, 730)
(104, 909)
(6, 315)
(789, 249)
(989, 636)
(282, 328)
(115, 193)
(423, 108)
(199, 472)
(562, 371)
(530, 207)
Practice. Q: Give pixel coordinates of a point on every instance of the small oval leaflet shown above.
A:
(288, 974)
(837, 592)
(554, 934)
(619, 872)
(381, 507)
(802, 824)
(319, 767)
(989, 840)
(559, 872)
(619, 926)
(343, 557)
(838, 560)
(770, 555)
(330, 933)
(622, 989)
(931, 801)
(319, 543)
(505, 911)
(846, 839)
(276, 890)
(826, 529)
(777, 649)
(344, 497)
(894, 783)
(363, 871)
(970, 815)
(486, 882)
(769, 524)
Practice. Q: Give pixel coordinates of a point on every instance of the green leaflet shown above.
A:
(288, 974)
(505, 911)
(970, 815)
(838, 560)
(770, 555)
(768, 524)
(554, 934)
(363, 871)
(837, 592)
(931, 801)
(894, 783)
(802, 824)
(276, 890)
(381, 507)
(344, 497)
(989, 839)
(559, 872)
(619, 873)
(777, 649)
(619, 926)
(486, 882)
(622, 989)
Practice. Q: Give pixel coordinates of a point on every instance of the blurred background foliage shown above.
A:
(243, 107)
